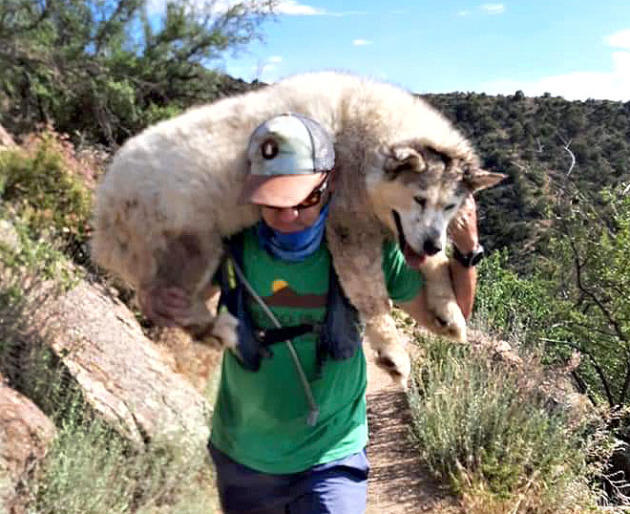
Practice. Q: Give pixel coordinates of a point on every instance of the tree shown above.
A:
(591, 259)
(107, 68)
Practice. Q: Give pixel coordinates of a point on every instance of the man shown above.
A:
(290, 426)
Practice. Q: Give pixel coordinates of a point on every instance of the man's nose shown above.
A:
(287, 214)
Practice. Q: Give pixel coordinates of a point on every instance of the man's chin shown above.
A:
(287, 229)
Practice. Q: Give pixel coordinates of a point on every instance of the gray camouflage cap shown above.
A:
(287, 154)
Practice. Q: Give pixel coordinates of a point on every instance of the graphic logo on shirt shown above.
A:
(284, 296)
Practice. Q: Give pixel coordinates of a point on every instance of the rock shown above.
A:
(123, 376)
(25, 434)
(9, 237)
(498, 349)
(5, 138)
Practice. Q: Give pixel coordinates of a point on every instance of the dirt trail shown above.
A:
(397, 484)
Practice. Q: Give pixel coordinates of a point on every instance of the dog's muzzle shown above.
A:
(413, 258)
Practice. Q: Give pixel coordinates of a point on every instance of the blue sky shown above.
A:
(573, 48)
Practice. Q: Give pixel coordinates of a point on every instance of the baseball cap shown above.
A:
(287, 155)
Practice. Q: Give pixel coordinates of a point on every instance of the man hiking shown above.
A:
(289, 426)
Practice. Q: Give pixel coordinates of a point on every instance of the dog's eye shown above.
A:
(450, 207)
(420, 201)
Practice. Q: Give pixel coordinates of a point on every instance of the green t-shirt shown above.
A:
(260, 417)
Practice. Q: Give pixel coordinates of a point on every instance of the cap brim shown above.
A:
(279, 190)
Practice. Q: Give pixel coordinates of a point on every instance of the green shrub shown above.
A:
(46, 187)
(40, 258)
(482, 426)
(508, 303)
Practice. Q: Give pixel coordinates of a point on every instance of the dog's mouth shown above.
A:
(413, 258)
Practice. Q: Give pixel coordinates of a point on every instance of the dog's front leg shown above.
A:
(447, 317)
(389, 344)
(358, 263)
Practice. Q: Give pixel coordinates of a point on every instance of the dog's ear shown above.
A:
(478, 179)
(404, 158)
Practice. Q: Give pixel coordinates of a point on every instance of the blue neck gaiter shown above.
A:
(293, 246)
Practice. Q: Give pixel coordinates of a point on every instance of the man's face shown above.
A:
(297, 218)
(290, 219)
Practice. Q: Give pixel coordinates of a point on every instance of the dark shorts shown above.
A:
(338, 487)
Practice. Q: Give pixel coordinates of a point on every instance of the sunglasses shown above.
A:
(313, 198)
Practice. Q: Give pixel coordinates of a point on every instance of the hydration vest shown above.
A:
(338, 336)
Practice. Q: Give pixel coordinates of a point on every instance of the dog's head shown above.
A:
(418, 191)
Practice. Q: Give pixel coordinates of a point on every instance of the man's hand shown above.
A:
(463, 233)
(463, 227)
(166, 306)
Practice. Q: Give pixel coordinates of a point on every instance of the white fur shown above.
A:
(184, 176)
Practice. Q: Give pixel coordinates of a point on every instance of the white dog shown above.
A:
(171, 195)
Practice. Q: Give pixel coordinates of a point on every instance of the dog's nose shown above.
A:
(430, 247)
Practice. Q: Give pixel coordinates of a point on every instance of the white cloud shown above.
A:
(211, 6)
(493, 8)
(463, 13)
(293, 8)
(275, 59)
(579, 85)
(619, 39)
(361, 42)
(283, 7)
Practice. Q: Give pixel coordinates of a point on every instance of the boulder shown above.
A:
(25, 434)
(122, 375)
(9, 237)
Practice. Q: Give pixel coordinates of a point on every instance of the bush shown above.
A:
(510, 304)
(484, 429)
(92, 470)
(47, 187)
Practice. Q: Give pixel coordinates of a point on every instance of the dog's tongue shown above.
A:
(413, 259)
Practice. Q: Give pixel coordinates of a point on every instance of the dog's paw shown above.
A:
(224, 330)
(395, 361)
(448, 321)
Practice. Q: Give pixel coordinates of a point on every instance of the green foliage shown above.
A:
(108, 68)
(510, 304)
(484, 426)
(44, 186)
(576, 298)
(92, 470)
(38, 257)
(591, 249)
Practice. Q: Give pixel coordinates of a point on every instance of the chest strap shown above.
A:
(270, 336)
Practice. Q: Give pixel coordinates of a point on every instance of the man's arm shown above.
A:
(463, 233)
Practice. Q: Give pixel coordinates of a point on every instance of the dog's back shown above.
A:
(184, 175)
